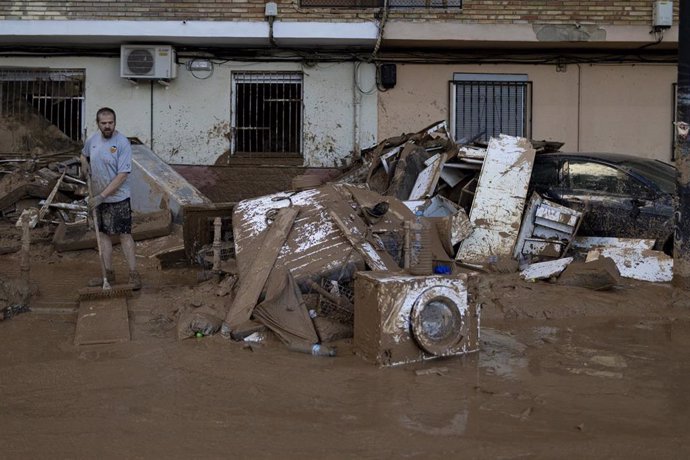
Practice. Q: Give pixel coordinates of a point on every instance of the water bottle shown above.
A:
(421, 260)
(315, 349)
(322, 350)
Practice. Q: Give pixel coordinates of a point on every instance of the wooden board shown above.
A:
(355, 230)
(253, 280)
(102, 321)
(144, 226)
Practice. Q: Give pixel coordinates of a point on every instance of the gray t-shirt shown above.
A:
(108, 158)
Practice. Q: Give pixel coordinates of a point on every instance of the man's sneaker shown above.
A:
(135, 280)
(109, 274)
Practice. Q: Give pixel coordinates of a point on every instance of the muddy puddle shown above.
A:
(609, 388)
(562, 373)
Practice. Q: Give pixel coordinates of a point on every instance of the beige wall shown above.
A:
(612, 108)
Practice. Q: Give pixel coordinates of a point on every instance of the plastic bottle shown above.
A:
(322, 350)
(315, 349)
(421, 262)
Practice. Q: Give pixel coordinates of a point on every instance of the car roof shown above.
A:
(614, 158)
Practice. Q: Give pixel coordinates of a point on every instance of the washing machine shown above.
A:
(403, 319)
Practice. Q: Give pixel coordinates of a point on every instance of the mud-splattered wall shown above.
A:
(189, 120)
(608, 108)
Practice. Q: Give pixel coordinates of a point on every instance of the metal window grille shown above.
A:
(485, 109)
(267, 115)
(56, 95)
(455, 4)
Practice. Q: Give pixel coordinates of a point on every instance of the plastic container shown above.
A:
(421, 260)
(315, 349)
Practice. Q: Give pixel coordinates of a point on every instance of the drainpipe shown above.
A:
(151, 117)
(356, 104)
(681, 243)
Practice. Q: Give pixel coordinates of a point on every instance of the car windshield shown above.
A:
(662, 174)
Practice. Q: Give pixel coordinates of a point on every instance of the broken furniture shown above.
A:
(547, 230)
(496, 212)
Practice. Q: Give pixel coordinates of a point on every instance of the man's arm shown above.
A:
(114, 184)
(85, 166)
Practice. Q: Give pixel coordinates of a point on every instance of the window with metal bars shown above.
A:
(455, 4)
(267, 113)
(486, 105)
(56, 95)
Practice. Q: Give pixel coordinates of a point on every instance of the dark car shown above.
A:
(621, 195)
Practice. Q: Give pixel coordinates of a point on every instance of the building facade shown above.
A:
(310, 82)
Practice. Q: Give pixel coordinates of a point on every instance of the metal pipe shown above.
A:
(356, 104)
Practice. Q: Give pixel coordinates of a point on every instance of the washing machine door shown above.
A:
(439, 320)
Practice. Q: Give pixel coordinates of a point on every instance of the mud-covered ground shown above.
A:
(563, 372)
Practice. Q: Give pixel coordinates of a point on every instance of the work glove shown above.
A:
(94, 201)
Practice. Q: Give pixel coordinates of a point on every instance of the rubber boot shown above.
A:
(135, 280)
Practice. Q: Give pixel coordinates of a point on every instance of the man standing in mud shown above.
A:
(107, 158)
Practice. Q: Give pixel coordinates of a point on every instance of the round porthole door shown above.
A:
(439, 320)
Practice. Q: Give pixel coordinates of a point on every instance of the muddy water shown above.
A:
(602, 388)
(562, 373)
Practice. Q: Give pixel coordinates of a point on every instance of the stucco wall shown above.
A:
(612, 108)
(188, 121)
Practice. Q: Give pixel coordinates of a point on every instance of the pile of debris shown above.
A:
(49, 193)
(416, 207)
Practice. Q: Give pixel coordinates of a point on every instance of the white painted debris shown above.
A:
(639, 264)
(425, 185)
(435, 128)
(546, 228)
(393, 152)
(540, 247)
(436, 206)
(256, 337)
(499, 199)
(545, 270)
(555, 221)
(592, 242)
(32, 215)
(432, 159)
(472, 152)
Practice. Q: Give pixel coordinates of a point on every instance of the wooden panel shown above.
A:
(499, 200)
(102, 321)
(252, 281)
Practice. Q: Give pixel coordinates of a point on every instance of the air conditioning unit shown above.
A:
(153, 62)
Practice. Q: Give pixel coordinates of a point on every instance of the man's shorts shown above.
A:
(115, 218)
